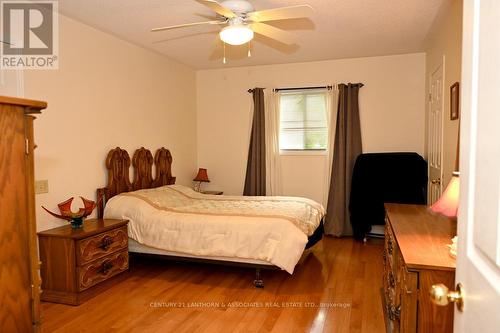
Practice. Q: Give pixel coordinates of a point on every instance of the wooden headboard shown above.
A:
(118, 166)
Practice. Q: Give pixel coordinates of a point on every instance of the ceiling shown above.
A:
(338, 29)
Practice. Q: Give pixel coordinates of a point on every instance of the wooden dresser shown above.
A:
(19, 266)
(77, 264)
(415, 257)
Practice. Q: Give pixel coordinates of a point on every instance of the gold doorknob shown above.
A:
(442, 296)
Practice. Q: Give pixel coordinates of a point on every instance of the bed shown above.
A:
(178, 223)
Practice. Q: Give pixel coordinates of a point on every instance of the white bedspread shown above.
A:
(176, 218)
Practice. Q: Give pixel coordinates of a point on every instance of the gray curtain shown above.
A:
(255, 180)
(347, 147)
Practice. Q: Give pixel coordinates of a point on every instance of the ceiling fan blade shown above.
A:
(186, 25)
(218, 8)
(282, 13)
(273, 32)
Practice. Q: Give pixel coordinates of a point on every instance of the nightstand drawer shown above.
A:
(102, 269)
(98, 246)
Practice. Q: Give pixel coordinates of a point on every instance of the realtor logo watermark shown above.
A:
(29, 35)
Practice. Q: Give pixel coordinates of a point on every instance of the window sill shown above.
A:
(303, 152)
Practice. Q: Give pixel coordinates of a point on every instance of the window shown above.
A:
(303, 120)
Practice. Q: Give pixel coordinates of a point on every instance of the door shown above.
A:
(478, 261)
(435, 133)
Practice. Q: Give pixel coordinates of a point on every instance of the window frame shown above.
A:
(304, 152)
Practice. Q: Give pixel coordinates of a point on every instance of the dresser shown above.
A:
(19, 266)
(415, 257)
(77, 264)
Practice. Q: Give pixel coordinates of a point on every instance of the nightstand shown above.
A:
(77, 264)
(213, 192)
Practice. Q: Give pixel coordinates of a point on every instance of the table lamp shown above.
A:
(201, 177)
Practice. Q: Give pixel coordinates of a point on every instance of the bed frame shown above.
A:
(118, 166)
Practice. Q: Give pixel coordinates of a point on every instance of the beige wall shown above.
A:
(391, 111)
(445, 39)
(107, 93)
(110, 93)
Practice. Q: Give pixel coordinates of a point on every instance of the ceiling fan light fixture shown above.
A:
(236, 34)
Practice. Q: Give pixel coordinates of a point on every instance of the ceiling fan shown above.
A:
(241, 21)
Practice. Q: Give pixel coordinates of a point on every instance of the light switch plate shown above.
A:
(41, 186)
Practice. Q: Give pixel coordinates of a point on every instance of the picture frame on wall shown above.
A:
(454, 101)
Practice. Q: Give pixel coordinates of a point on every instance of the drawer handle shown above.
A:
(106, 243)
(105, 267)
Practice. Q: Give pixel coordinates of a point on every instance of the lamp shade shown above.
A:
(202, 176)
(447, 204)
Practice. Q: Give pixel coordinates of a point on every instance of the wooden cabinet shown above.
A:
(19, 266)
(415, 257)
(79, 263)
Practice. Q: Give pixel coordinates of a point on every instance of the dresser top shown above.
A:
(422, 237)
(90, 227)
(32, 105)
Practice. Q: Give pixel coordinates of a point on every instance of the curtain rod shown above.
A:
(303, 88)
(309, 88)
(251, 90)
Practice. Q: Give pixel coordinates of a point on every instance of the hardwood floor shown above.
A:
(164, 296)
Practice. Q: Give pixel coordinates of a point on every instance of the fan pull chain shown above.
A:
(249, 54)
(224, 57)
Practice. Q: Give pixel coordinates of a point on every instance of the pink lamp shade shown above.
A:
(447, 204)
(202, 176)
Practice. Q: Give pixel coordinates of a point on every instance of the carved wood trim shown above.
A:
(95, 247)
(163, 165)
(143, 172)
(102, 269)
(118, 164)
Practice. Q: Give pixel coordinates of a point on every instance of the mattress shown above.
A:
(178, 220)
